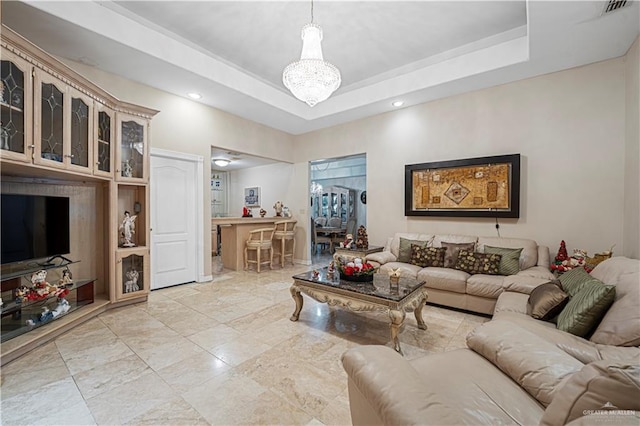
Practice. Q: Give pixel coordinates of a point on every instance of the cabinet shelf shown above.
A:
(13, 306)
(15, 315)
(11, 107)
(20, 270)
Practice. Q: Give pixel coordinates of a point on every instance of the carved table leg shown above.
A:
(397, 318)
(418, 313)
(295, 293)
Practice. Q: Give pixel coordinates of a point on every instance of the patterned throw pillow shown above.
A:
(573, 280)
(478, 263)
(510, 261)
(427, 256)
(404, 249)
(451, 255)
(586, 308)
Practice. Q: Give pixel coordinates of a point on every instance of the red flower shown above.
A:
(349, 270)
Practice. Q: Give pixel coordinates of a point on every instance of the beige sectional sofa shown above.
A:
(516, 370)
(458, 289)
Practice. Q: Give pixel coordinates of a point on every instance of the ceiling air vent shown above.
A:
(613, 5)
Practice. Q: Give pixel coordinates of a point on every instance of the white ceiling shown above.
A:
(233, 52)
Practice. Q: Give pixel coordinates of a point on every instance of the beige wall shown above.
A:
(569, 127)
(273, 180)
(186, 126)
(631, 227)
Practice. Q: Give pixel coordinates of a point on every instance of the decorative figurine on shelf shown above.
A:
(347, 242)
(316, 274)
(263, 212)
(131, 284)
(246, 212)
(286, 212)
(128, 228)
(278, 208)
(66, 279)
(127, 169)
(38, 279)
(362, 240)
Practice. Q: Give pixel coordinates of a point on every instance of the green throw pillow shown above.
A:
(478, 263)
(427, 256)
(573, 280)
(404, 251)
(586, 308)
(510, 261)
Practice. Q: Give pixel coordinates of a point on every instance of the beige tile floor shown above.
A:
(222, 352)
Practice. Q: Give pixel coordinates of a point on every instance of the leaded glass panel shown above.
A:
(104, 142)
(51, 123)
(79, 133)
(132, 150)
(12, 137)
(132, 274)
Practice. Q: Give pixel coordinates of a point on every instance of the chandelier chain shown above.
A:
(312, 11)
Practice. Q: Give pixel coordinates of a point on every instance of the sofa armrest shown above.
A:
(391, 387)
(544, 258)
(381, 257)
(522, 283)
(534, 363)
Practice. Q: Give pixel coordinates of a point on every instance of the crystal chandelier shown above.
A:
(311, 79)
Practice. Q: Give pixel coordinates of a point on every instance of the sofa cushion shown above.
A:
(444, 279)
(573, 280)
(524, 283)
(547, 301)
(395, 242)
(600, 385)
(586, 308)
(381, 257)
(482, 285)
(406, 269)
(621, 324)
(478, 263)
(427, 256)
(451, 255)
(509, 262)
(529, 255)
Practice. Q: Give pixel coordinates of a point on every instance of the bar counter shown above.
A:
(234, 232)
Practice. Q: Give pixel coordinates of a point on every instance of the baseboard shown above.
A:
(302, 262)
(205, 278)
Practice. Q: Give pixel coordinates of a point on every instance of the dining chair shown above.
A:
(320, 220)
(334, 222)
(319, 239)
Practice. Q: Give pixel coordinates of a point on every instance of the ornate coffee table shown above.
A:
(363, 297)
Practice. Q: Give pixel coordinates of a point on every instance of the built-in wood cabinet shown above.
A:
(60, 129)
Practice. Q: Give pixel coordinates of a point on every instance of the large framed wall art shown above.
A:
(473, 187)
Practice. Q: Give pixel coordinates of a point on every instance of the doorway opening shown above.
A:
(338, 188)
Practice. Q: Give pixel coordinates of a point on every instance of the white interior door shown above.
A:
(173, 221)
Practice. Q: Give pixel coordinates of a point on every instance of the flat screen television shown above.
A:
(33, 227)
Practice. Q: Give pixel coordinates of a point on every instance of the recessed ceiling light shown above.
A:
(221, 162)
(194, 95)
(397, 103)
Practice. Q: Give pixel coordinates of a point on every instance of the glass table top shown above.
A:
(379, 287)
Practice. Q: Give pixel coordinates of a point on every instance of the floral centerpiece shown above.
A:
(356, 270)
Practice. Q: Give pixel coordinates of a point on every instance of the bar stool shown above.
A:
(285, 231)
(259, 239)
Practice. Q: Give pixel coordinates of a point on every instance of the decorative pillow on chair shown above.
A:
(427, 256)
(451, 255)
(547, 301)
(586, 307)
(510, 261)
(478, 263)
(404, 249)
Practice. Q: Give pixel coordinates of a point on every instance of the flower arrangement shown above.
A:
(357, 270)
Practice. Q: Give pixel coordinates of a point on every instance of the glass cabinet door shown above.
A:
(132, 273)
(131, 151)
(50, 114)
(104, 125)
(79, 152)
(15, 111)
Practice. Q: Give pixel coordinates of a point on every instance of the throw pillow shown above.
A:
(404, 249)
(510, 261)
(427, 256)
(547, 301)
(451, 255)
(586, 307)
(478, 263)
(573, 280)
